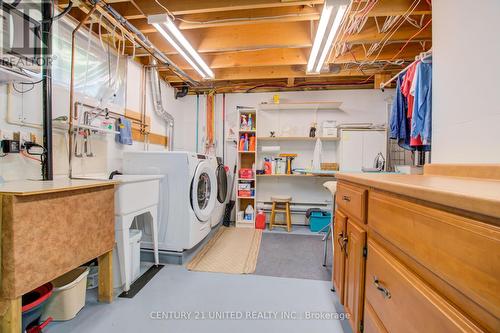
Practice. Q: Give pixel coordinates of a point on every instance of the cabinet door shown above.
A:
(339, 241)
(354, 273)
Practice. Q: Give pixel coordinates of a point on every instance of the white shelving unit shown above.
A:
(296, 138)
(246, 159)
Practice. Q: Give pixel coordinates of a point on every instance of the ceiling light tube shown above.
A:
(169, 31)
(329, 23)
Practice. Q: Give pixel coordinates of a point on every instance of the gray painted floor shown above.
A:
(175, 289)
(293, 255)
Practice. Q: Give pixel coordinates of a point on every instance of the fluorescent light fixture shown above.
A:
(166, 27)
(328, 26)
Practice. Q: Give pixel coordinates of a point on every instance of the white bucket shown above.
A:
(135, 259)
(68, 297)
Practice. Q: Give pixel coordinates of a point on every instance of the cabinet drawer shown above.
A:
(403, 302)
(352, 200)
(461, 251)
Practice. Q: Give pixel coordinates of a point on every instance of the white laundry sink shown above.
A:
(136, 192)
(133, 192)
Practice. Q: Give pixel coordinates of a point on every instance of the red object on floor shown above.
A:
(260, 220)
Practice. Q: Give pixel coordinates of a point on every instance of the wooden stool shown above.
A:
(281, 204)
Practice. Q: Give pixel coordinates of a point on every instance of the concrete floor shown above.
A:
(178, 300)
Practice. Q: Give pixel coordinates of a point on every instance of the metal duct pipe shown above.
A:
(158, 104)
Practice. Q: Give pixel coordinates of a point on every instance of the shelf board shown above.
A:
(247, 131)
(301, 106)
(249, 179)
(245, 197)
(246, 152)
(296, 175)
(296, 138)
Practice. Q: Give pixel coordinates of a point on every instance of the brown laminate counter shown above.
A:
(32, 187)
(476, 195)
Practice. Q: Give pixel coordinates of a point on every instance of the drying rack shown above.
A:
(421, 56)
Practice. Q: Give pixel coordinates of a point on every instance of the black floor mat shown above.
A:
(141, 281)
(294, 256)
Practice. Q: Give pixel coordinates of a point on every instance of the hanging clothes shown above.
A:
(421, 124)
(408, 82)
(399, 122)
(406, 87)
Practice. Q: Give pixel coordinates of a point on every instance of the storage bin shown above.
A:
(135, 259)
(32, 307)
(68, 297)
(319, 220)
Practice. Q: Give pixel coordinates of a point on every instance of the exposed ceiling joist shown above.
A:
(276, 72)
(239, 38)
(240, 17)
(184, 7)
(397, 7)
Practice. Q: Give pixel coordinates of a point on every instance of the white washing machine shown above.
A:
(188, 193)
(222, 190)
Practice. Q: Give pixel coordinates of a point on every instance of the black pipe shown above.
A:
(47, 161)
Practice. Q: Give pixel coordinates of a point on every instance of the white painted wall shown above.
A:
(108, 153)
(357, 106)
(466, 85)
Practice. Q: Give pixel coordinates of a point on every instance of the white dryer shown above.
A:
(188, 193)
(222, 188)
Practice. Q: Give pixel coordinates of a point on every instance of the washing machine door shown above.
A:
(203, 191)
(221, 183)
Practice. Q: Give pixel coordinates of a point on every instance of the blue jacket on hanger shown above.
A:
(421, 123)
(400, 127)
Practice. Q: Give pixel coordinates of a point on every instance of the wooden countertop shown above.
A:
(471, 194)
(32, 187)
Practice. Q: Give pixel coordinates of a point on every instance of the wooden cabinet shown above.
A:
(352, 200)
(339, 243)
(405, 303)
(354, 273)
(349, 249)
(405, 265)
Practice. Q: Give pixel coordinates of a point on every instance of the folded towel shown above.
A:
(124, 127)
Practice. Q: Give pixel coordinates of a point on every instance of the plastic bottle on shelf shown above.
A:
(242, 143)
(249, 213)
(252, 142)
(250, 121)
(246, 142)
(268, 168)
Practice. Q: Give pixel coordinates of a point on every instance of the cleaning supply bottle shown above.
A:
(252, 142)
(260, 220)
(250, 122)
(242, 143)
(246, 142)
(249, 213)
(268, 168)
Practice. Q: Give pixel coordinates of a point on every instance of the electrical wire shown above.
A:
(30, 157)
(60, 15)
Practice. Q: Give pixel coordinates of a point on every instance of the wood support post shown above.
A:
(106, 277)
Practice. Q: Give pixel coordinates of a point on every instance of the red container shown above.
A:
(260, 220)
(245, 193)
(246, 173)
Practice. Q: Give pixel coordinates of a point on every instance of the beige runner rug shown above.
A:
(231, 250)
